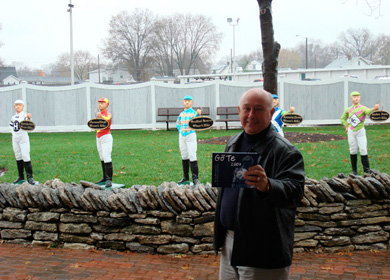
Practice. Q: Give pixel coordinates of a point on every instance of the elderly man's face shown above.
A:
(255, 111)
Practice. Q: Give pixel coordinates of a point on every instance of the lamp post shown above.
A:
(71, 44)
(306, 48)
(234, 24)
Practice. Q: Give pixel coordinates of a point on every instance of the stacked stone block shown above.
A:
(337, 214)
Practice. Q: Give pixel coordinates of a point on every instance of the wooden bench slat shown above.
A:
(226, 112)
(174, 112)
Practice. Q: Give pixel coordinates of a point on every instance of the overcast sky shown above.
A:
(35, 32)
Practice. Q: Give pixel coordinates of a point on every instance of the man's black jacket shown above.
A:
(264, 227)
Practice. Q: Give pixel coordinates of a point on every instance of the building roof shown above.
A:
(162, 78)
(257, 62)
(224, 68)
(103, 69)
(48, 79)
(11, 77)
(7, 71)
(346, 62)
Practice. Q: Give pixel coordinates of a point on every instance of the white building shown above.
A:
(164, 79)
(349, 62)
(39, 80)
(11, 80)
(118, 76)
(254, 65)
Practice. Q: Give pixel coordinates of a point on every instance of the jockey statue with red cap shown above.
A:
(104, 143)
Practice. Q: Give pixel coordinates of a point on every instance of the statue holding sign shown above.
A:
(187, 141)
(353, 121)
(104, 143)
(21, 144)
(277, 116)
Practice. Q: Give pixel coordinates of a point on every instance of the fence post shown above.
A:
(346, 92)
(217, 103)
(88, 97)
(281, 94)
(24, 96)
(153, 101)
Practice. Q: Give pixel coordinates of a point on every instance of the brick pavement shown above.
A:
(30, 263)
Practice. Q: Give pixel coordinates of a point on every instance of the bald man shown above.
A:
(255, 226)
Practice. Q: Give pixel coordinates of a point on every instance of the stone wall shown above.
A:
(341, 213)
(354, 225)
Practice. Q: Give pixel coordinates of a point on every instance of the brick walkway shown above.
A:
(30, 263)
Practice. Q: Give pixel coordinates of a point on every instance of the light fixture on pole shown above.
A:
(231, 23)
(71, 44)
(306, 48)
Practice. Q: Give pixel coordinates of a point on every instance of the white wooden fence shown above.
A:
(68, 108)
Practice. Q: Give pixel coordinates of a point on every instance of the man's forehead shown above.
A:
(253, 101)
(254, 105)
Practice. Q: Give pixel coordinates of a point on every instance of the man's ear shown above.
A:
(239, 109)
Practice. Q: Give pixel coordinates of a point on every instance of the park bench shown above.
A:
(227, 114)
(169, 115)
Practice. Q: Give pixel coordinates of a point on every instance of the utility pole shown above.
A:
(234, 24)
(306, 61)
(71, 44)
(99, 68)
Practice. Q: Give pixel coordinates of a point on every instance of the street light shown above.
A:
(231, 23)
(71, 44)
(306, 47)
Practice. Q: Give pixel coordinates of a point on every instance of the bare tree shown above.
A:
(1, 44)
(185, 41)
(356, 42)
(84, 62)
(289, 58)
(201, 41)
(23, 70)
(381, 50)
(130, 41)
(374, 6)
(271, 48)
(166, 36)
(318, 54)
(244, 60)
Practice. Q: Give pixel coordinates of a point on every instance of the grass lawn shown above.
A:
(151, 157)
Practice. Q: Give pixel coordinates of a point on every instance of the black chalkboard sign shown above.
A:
(97, 124)
(379, 116)
(201, 123)
(27, 125)
(292, 118)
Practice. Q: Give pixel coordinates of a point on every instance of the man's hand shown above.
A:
(292, 109)
(376, 107)
(199, 112)
(256, 176)
(99, 115)
(29, 116)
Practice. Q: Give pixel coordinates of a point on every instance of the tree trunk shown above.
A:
(271, 48)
